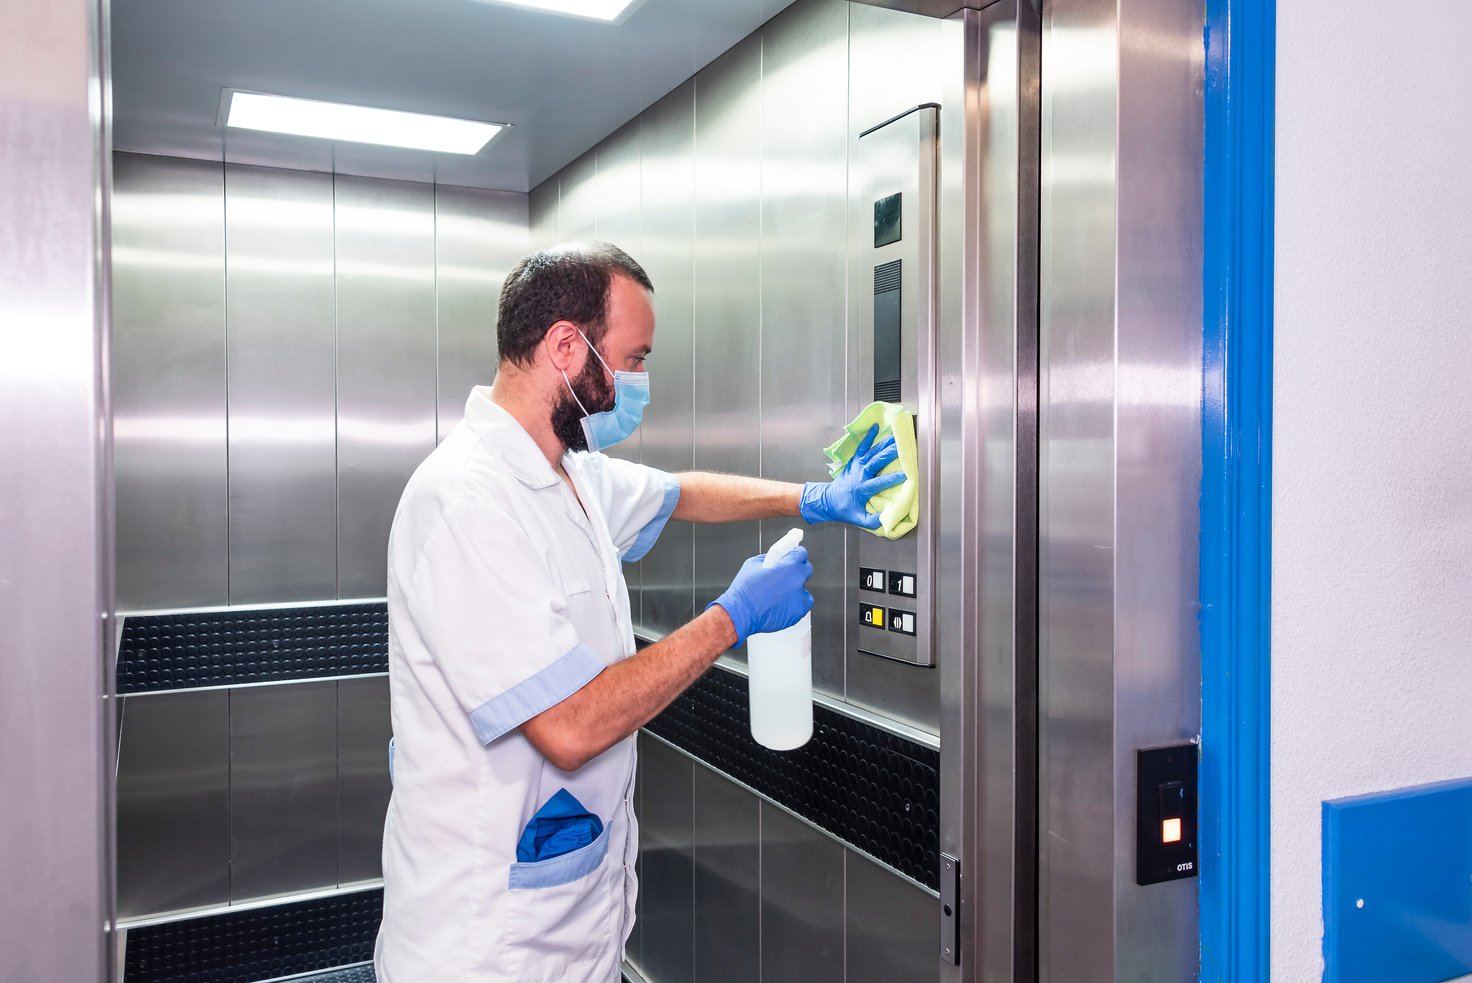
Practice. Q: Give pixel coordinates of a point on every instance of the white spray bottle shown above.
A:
(781, 667)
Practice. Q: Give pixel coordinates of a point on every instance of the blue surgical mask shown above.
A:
(630, 396)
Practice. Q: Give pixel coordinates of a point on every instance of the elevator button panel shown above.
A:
(1165, 819)
(892, 358)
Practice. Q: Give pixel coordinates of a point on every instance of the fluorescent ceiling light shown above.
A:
(605, 10)
(356, 124)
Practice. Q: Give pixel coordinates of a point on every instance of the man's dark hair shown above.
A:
(564, 283)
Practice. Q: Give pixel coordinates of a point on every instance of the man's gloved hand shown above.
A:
(844, 498)
(763, 598)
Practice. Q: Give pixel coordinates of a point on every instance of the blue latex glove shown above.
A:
(763, 598)
(844, 498)
(561, 826)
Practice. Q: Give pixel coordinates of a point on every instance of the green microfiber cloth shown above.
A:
(898, 507)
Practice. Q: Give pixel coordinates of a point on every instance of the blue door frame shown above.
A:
(1236, 493)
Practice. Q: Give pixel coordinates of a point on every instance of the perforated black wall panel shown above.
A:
(259, 944)
(873, 789)
(227, 648)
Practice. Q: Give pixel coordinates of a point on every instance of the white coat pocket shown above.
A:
(564, 911)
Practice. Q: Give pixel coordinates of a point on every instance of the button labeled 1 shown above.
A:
(872, 615)
(902, 584)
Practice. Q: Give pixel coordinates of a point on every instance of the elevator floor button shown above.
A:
(902, 584)
(872, 579)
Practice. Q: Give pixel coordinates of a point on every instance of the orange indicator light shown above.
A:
(1170, 831)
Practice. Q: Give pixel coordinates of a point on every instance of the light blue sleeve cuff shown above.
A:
(644, 542)
(531, 696)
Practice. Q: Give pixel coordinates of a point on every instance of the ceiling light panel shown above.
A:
(612, 11)
(356, 124)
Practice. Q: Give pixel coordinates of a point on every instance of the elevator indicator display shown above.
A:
(888, 220)
(872, 615)
(871, 579)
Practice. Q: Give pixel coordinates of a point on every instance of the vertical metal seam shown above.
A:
(847, 537)
(761, 296)
(336, 415)
(694, 291)
(225, 318)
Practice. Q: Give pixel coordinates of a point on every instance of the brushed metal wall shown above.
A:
(235, 794)
(289, 346)
(728, 316)
(1120, 423)
(667, 252)
(282, 416)
(722, 868)
(168, 382)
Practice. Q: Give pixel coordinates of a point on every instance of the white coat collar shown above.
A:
(500, 433)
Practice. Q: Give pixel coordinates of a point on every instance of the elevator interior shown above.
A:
(989, 216)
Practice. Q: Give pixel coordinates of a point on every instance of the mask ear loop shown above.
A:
(568, 382)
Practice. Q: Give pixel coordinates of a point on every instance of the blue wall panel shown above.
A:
(1398, 886)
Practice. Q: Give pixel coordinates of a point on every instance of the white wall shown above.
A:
(1372, 461)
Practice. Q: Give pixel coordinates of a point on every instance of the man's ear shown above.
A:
(562, 343)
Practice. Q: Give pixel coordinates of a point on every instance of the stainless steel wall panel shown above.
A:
(56, 494)
(986, 570)
(578, 213)
(802, 923)
(173, 803)
(892, 926)
(282, 385)
(896, 61)
(283, 789)
(385, 364)
(727, 852)
(544, 212)
(666, 856)
(620, 189)
(168, 382)
(894, 64)
(1076, 492)
(363, 732)
(804, 146)
(727, 297)
(479, 236)
(667, 253)
(1157, 450)
(1120, 396)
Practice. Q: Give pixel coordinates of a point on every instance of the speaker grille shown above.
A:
(887, 392)
(887, 276)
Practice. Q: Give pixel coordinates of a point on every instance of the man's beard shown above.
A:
(597, 395)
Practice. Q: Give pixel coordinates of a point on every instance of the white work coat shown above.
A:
(505, 596)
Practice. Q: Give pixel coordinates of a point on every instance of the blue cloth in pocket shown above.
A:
(561, 826)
